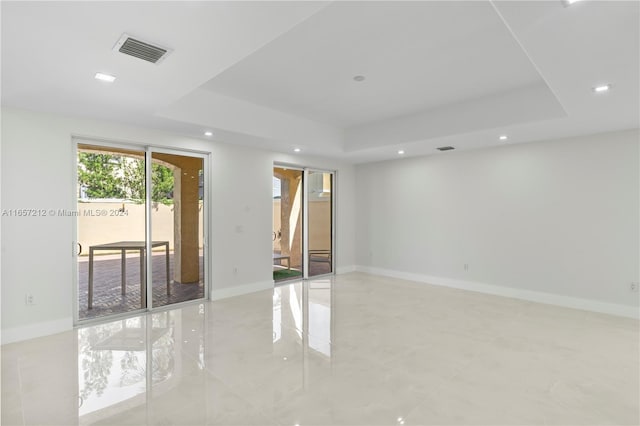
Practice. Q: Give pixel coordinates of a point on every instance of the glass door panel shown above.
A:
(110, 230)
(287, 224)
(177, 228)
(320, 222)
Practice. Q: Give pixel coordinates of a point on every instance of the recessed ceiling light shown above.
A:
(359, 78)
(568, 3)
(504, 137)
(401, 152)
(296, 150)
(105, 77)
(207, 133)
(603, 88)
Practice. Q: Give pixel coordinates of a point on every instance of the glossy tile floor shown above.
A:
(352, 350)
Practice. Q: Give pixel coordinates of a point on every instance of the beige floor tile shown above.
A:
(355, 349)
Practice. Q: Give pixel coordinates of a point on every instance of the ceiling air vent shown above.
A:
(141, 49)
(445, 148)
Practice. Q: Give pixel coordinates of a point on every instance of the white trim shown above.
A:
(515, 293)
(345, 269)
(224, 293)
(289, 166)
(148, 226)
(334, 233)
(305, 223)
(39, 329)
(206, 252)
(74, 232)
(132, 145)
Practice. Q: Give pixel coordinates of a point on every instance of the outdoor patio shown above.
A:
(315, 268)
(107, 297)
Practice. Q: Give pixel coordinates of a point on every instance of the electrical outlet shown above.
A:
(466, 266)
(235, 270)
(29, 300)
(633, 287)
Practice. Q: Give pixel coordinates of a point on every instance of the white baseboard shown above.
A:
(530, 295)
(345, 269)
(31, 331)
(224, 293)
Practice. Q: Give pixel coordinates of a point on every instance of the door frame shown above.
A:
(306, 171)
(205, 218)
(305, 229)
(147, 149)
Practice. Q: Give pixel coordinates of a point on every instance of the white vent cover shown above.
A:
(141, 49)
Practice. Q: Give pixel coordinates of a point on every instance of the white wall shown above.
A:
(555, 221)
(37, 172)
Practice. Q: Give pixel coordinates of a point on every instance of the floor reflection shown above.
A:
(320, 316)
(114, 383)
(306, 308)
(324, 352)
(111, 365)
(113, 377)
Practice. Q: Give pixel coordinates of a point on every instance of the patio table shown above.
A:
(123, 246)
(281, 257)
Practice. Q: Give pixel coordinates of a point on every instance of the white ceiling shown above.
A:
(404, 51)
(51, 50)
(279, 75)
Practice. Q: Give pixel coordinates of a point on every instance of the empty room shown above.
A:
(320, 212)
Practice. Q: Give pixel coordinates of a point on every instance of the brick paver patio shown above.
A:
(107, 297)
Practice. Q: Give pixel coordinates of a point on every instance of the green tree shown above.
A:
(97, 174)
(133, 172)
(161, 179)
(116, 176)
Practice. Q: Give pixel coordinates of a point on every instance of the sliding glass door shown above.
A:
(177, 227)
(303, 223)
(130, 203)
(111, 238)
(287, 224)
(319, 222)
